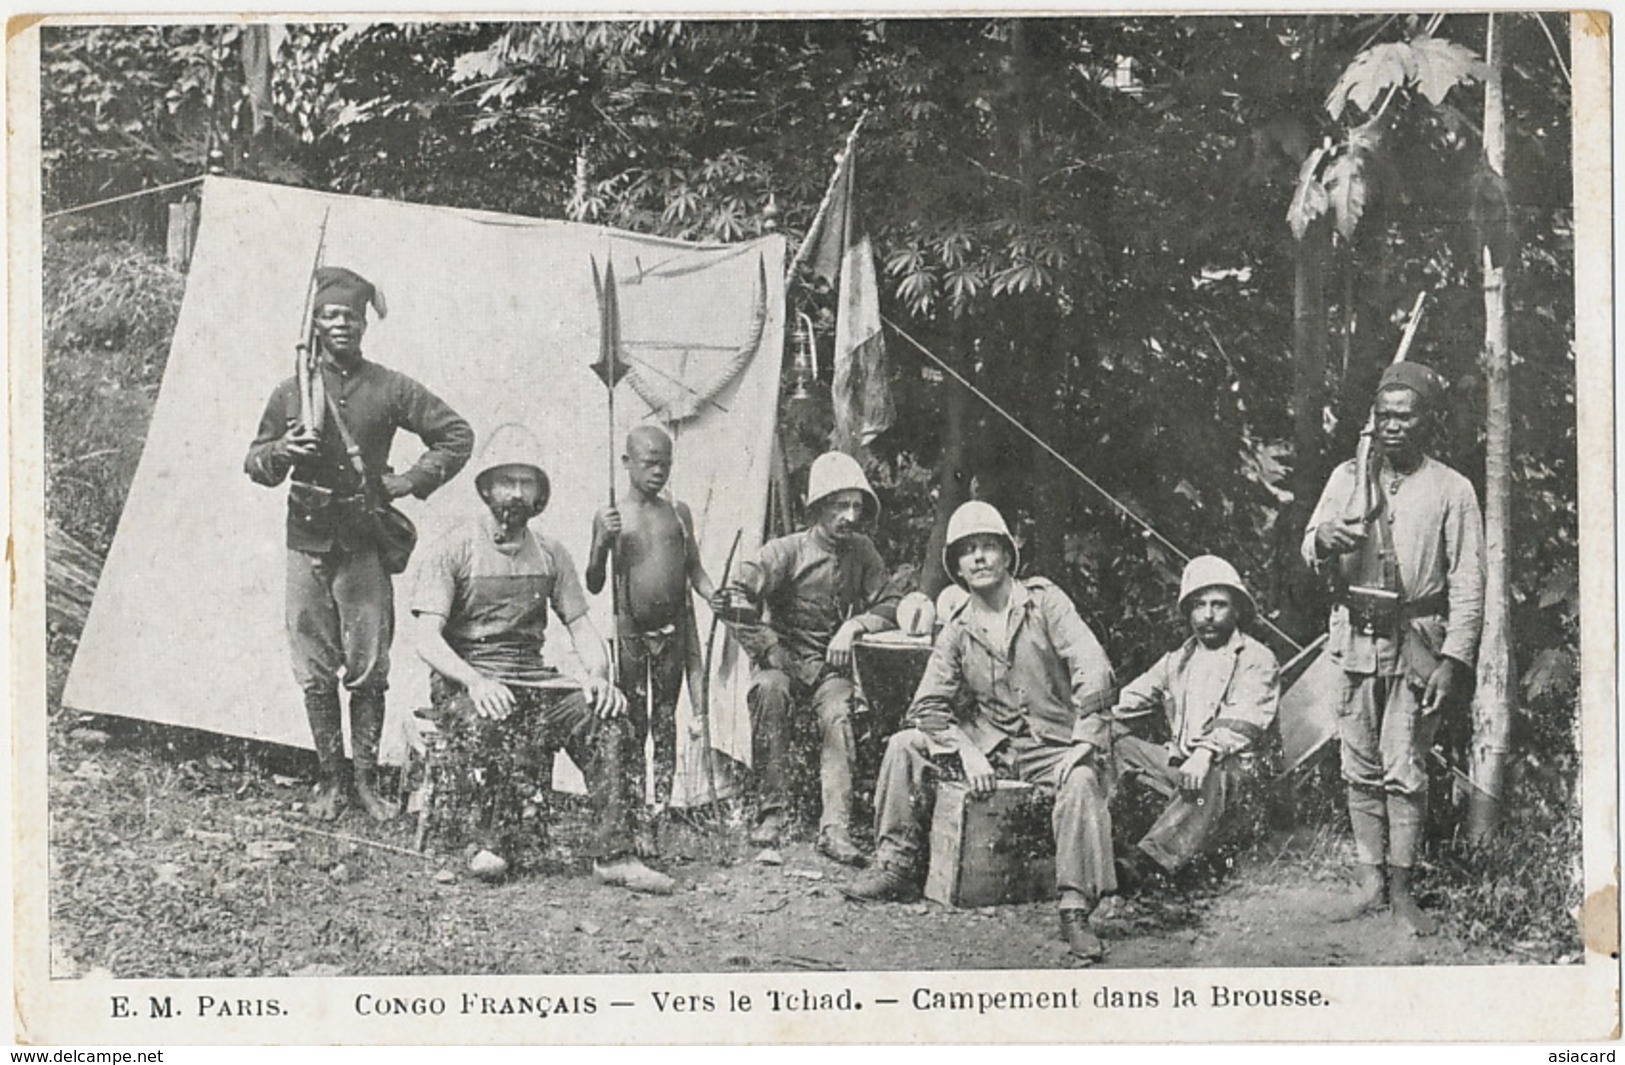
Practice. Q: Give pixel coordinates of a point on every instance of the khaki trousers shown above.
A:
(1081, 821)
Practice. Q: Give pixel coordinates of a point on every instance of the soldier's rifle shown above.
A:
(1374, 591)
(306, 374)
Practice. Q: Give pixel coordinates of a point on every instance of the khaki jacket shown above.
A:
(1246, 705)
(1051, 676)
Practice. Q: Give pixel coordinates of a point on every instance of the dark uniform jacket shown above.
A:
(325, 508)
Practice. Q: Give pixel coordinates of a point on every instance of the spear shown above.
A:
(610, 368)
(705, 678)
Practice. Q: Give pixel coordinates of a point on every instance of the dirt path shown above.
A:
(152, 876)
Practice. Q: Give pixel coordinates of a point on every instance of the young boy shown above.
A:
(656, 561)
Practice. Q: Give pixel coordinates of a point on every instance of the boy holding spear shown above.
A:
(657, 560)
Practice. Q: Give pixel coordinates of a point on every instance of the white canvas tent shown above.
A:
(496, 314)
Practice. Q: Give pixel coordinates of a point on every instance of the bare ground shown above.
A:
(153, 874)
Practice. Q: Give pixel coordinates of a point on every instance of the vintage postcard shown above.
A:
(863, 528)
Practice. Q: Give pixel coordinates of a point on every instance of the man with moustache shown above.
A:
(1406, 652)
(1217, 693)
(1014, 683)
(822, 588)
(482, 599)
(340, 604)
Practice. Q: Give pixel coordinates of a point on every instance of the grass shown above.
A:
(109, 315)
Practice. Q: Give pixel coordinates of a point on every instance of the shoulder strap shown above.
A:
(350, 447)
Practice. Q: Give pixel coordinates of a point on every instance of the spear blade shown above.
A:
(610, 367)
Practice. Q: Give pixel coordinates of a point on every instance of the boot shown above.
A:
(1405, 907)
(1406, 816)
(1369, 897)
(882, 883)
(323, 712)
(1080, 938)
(835, 843)
(628, 871)
(366, 726)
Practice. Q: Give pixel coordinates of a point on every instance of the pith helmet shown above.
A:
(511, 444)
(836, 471)
(1211, 571)
(974, 519)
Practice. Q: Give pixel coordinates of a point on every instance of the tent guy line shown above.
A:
(1064, 461)
(136, 195)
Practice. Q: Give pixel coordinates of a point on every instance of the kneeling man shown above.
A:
(481, 605)
(1217, 693)
(1013, 683)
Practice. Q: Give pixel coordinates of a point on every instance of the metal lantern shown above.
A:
(804, 362)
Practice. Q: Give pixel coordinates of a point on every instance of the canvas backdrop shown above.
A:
(497, 315)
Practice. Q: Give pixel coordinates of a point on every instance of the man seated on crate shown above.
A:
(481, 603)
(1217, 693)
(1013, 683)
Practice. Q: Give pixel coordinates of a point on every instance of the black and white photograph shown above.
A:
(874, 527)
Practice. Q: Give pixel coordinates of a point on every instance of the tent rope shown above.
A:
(1122, 507)
(127, 196)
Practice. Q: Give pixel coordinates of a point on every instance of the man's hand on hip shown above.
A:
(395, 485)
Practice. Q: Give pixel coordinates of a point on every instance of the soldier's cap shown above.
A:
(1423, 380)
(335, 284)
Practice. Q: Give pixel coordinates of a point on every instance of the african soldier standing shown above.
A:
(822, 588)
(1405, 629)
(340, 600)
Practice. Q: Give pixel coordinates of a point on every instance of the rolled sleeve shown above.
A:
(435, 589)
(568, 600)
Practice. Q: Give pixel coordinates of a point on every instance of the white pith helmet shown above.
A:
(836, 471)
(1211, 571)
(974, 519)
(511, 444)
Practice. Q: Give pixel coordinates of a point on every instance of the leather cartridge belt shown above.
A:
(1428, 606)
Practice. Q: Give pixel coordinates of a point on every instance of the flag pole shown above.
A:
(807, 242)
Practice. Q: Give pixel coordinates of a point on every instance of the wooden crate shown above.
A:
(990, 850)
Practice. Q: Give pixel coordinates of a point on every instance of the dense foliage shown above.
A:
(1179, 249)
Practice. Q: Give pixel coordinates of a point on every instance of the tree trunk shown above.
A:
(953, 479)
(1309, 352)
(1492, 703)
(1045, 358)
